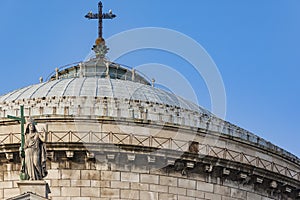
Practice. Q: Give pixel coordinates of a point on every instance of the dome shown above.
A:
(100, 87)
(98, 78)
(103, 118)
(101, 130)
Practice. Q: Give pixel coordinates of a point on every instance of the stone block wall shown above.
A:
(123, 165)
(135, 183)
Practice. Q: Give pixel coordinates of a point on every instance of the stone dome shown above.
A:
(108, 133)
(90, 79)
(108, 123)
(102, 79)
(100, 87)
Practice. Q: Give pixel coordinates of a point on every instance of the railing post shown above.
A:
(90, 136)
(130, 138)
(207, 149)
(70, 136)
(241, 157)
(111, 137)
(257, 161)
(150, 140)
(225, 153)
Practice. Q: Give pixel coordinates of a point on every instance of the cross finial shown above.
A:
(100, 47)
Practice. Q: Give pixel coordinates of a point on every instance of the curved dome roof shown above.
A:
(100, 87)
(105, 79)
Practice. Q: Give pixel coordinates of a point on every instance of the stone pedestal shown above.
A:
(40, 188)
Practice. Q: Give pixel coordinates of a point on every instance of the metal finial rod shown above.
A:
(100, 21)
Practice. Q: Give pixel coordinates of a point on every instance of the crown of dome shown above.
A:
(99, 78)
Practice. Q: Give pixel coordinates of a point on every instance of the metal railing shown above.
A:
(143, 77)
(159, 143)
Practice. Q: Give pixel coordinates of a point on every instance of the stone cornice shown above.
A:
(191, 165)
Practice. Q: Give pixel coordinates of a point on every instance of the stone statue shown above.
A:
(35, 152)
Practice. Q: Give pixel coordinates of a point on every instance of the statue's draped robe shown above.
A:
(35, 156)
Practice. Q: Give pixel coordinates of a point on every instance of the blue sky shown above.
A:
(255, 45)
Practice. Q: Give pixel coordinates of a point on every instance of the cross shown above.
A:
(22, 152)
(100, 16)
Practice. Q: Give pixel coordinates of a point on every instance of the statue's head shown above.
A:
(30, 128)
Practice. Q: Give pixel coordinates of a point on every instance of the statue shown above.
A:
(35, 152)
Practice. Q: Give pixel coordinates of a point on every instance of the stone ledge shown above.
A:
(220, 170)
(40, 188)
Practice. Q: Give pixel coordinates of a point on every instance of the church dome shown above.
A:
(101, 130)
(99, 78)
(104, 118)
(89, 84)
(100, 87)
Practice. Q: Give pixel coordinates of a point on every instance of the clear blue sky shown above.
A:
(255, 44)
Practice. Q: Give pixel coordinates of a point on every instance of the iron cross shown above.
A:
(100, 16)
(21, 119)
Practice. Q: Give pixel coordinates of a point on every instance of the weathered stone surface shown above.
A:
(109, 193)
(228, 198)
(130, 194)
(53, 174)
(6, 184)
(176, 190)
(101, 184)
(165, 180)
(219, 189)
(237, 193)
(110, 176)
(158, 188)
(185, 198)
(266, 198)
(195, 193)
(252, 196)
(11, 192)
(206, 187)
(90, 174)
(146, 195)
(186, 183)
(70, 174)
(59, 182)
(90, 192)
(70, 191)
(212, 196)
(130, 177)
(167, 196)
(147, 178)
(139, 186)
(60, 198)
(11, 176)
(55, 191)
(120, 184)
(80, 198)
(80, 183)
(1, 194)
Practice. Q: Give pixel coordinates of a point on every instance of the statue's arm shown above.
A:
(43, 135)
(26, 142)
